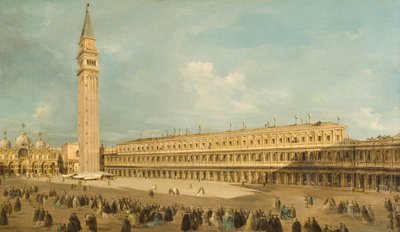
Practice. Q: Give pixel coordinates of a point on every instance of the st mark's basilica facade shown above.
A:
(27, 158)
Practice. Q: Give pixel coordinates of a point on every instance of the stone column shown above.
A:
(271, 177)
(391, 181)
(344, 184)
(382, 176)
(356, 180)
(301, 178)
(333, 179)
(366, 181)
(352, 180)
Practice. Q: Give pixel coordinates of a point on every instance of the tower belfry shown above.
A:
(88, 99)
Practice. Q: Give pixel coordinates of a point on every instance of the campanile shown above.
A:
(88, 99)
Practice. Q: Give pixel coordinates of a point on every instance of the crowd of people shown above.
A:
(137, 214)
(393, 213)
(25, 193)
(349, 208)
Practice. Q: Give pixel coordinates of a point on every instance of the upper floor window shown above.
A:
(91, 62)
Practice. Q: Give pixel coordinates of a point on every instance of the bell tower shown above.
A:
(88, 99)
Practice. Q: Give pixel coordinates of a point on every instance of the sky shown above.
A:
(181, 64)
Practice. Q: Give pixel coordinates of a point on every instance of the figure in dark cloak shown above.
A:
(296, 226)
(185, 226)
(126, 225)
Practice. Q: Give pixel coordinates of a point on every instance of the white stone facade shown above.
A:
(316, 154)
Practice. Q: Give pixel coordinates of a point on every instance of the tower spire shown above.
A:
(87, 30)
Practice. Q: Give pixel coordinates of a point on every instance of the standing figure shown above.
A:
(296, 226)
(186, 225)
(3, 217)
(91, 222)
(48, 220)
(126, 225)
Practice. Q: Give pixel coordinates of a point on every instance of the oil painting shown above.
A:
(151, 115)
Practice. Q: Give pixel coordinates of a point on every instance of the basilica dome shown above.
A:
(40, 144)
(22, 140)
(5, 144)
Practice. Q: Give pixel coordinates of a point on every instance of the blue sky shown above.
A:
(180, 64)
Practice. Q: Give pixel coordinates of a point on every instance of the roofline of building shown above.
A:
(284, 128)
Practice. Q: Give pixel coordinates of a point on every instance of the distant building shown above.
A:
(308, 154)
(70, 155)
(27, 158)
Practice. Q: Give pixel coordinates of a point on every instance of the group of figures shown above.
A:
(25, 193)
(74, 225)
(137, 213)
(223, 219)
(42, 218)
(349, 208)
(393, 213)
(286, 212)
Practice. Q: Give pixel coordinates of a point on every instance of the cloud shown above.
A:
(111, 48)
(217, 94)
(41, 112)
(115, 50)
(368, 118)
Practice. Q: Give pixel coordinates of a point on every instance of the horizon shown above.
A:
(166, 65)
